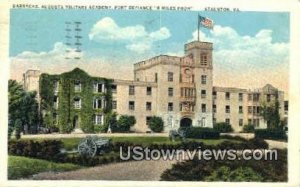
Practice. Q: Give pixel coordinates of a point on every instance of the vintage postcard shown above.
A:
(150, 93)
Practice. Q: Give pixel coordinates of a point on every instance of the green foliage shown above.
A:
(202, 133)
(241, 174)
(124, 123)
(18, 128)
(273, 134)
(156, 124)
(22, 167)
(229, 170)
(249, 128)
(23, 107)
(270, 113)
(66, 94)
(223, 127)
(110, 121)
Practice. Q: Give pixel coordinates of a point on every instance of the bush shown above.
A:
(156, 124)
(201, 133)
(223, 127)
(125, 122)
(46, 149)
(248, 128)
(18, 128)
(273, 134)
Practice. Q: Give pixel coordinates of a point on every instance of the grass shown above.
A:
(23, 167)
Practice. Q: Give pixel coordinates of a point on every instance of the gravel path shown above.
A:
(131, 170)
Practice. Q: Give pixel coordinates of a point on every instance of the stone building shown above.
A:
(181, 91)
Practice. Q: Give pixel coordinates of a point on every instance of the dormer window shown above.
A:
(203, 59)
(77, 86)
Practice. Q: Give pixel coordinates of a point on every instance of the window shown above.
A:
(256, 97)
(250, 121)
(214, 120)
(114, 88)
(214, 108)
(170, 91)
(268, 97)
(149, 90)
(203, 122)
(77, 103)
(249, 97)
(114, 104)
(203, 59)
(148, 118)
(170, 121)
(241, 122)
(131, 90)
(203, 79)
(250, 109)
(56, 86)
(240, 96)
(156, 77)
(203, 108)
(131, 105)
(240, 109)
(148, 106)
(227, 120)
(170, 106)
(258, 110)
(98, 119)
(170, 76)
(203, 94)
(98, 87)
(98, 103)
(257, 122)
(77, 86)
(227, 95)
(227, 109)
(55, 102)
(214, 95)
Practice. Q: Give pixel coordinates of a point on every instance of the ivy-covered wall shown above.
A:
(66, 94)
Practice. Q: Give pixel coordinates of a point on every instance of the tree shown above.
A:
(23, 108)
(270, 113)
(156, 124)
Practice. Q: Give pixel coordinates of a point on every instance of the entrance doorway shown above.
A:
(185, 122)
(76, 122)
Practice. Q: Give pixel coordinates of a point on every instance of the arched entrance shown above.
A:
(185, 122)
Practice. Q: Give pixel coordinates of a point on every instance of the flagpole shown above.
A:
(198, 29)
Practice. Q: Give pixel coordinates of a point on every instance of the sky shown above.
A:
(251, 49)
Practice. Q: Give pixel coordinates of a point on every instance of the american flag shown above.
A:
(206, 22)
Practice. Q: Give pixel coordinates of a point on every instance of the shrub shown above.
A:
(223, 127)
(248, 128)
(156, 124)
(201, 132)
(125, 122)
(46, 149)
(273, 134)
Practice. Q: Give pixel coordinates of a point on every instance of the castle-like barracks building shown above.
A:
(178, 89)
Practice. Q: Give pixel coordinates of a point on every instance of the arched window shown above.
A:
(77, 103)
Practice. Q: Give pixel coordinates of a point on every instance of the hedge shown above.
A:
(273, 134)
(201, 133)
(223, 127)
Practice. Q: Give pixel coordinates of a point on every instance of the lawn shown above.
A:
(22, 167)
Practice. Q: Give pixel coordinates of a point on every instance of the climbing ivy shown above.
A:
(66, 94)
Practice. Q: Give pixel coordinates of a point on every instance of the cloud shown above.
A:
(135, 38)
(54, 62)
(247, 61)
